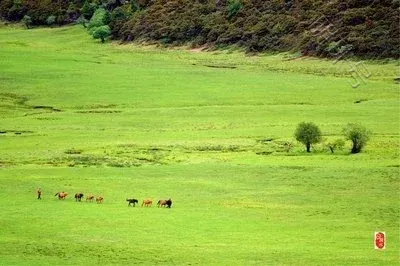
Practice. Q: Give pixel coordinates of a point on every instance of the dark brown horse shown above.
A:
(61, 195)
(132, 201)
(78, 196)
(147, 203)
(99, 199)
(169, 203)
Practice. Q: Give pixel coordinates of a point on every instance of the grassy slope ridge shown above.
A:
(210, 138)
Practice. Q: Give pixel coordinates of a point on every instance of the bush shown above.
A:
(101, 33)
(335, 145)
(27, 21)
(88, 9)
(358, 135)
(51, 20)
(308, 134)
(99, 18)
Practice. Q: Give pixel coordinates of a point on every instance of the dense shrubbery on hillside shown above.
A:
(365, 28)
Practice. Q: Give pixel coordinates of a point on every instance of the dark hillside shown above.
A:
(367, 28)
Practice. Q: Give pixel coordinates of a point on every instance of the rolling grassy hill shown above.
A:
(208, 130)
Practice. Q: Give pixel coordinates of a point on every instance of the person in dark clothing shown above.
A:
(39, 193)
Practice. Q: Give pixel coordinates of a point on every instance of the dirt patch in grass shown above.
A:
(99, 112)
(49, 108)
(11, 99)
(16, 132)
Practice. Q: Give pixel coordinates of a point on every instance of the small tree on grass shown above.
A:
(358, 135)
(308, 133)
(102, 33)
(335, 145)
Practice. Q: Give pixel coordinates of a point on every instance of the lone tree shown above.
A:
(358, 134)
(308, 133)
(102, 33)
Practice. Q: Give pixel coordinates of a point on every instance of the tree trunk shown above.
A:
(355, 149)
(102, 39)
(308, 146)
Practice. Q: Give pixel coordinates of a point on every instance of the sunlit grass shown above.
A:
(207, 129)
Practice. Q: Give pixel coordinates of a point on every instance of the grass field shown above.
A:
(208, 130)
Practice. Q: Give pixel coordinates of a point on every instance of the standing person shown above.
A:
(39, 193)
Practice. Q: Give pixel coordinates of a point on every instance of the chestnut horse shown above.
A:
(147, 203)
(61, 195)
(99, 199)
(162, 203)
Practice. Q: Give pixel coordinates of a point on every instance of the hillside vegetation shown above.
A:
(324, 28)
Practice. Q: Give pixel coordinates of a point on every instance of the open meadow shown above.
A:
(209, 130)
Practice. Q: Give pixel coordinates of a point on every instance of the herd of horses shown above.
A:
(145, 203)
(79, 196)
(148, 203)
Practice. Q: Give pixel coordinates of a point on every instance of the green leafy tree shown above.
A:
(134, 6)
(98, 19)
(358, 135)
(102, 33)
(88, 9)
(51, 20)
(27, 21)
(81, 20)
(233, 7)
(308, 134)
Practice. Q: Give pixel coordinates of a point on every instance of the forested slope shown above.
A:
(367, 28)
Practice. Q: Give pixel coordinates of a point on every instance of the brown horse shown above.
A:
(90, 198)
(162, 203)
(147, 203)
(99, 199)
(61, 195)
(78, 196)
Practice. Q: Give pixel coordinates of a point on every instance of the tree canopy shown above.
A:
(308, 134)
(358, 135)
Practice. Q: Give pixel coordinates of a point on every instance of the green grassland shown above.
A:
(207, 129)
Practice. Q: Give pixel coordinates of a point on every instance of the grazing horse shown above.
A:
(99, 199)
(78, 196)
(132, 201)
(147, 203)
(169, 203)
(61, 195)
(162, 203)
(90, 198)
